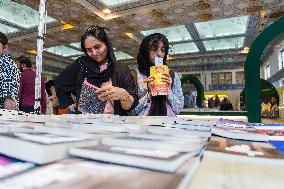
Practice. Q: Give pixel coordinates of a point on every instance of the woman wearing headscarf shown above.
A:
(152, 46)
(99, 84)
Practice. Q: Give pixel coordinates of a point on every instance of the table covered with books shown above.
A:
(108, 151)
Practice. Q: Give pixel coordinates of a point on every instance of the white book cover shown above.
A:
(39, 148)
(80, 174)
(176, 131)
(150, 144)
(160, 160)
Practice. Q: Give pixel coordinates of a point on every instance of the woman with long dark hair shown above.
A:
(99, 84)
(152, 46)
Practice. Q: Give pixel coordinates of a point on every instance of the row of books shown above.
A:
(249, 131)
(136, 147)
(107, 151)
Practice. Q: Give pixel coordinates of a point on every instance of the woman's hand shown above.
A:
(110, 92)
(150, 81)
(167, 79)
(9, 104)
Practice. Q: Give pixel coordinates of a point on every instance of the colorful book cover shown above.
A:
(10, 166)
(159, 87)
(78, 174)
(244, 148)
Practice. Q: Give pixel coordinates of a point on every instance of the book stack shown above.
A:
(10, 166)
(39, 148)
(79, 174)
(107, 151)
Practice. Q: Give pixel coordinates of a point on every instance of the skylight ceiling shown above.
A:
(224, 44)
(63, 51)
(174, 33)
(77, 45)
(7, 29)
(116, 2)
(74, 54)
(20, 15)
(183, 48)
(224, 27)
(121, 55)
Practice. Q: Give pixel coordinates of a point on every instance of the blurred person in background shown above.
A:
(27, 86)
(9, 77)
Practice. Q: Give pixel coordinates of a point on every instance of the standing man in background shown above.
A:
(9, 77)
(27, 86)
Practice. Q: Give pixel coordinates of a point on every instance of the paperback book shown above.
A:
(159, 160)
(81, 174)
(244, 150)
(154, 144)
(10, 167)
(39, 148)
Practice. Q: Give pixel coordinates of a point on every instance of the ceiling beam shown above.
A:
(251, 29)
(91, 8)
(210, 38)
(195, 36)
(5, 22)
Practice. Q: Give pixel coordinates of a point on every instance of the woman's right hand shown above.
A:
(150, 82)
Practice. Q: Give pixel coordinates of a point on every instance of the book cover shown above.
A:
(10, 167)
(240, 148)
(154, 144)
(39, 148)
(159, 87)
(81, 174)
(42, 138)
(160, 160)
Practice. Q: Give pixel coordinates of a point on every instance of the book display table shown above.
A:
(108, 151)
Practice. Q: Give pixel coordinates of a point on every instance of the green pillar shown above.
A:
(199, 88)
(252, 69)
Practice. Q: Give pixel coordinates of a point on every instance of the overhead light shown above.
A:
(67, 26)
(33, 51)
(169, 57)
(131, 35)
(107, 11)
(262, 14)
(245, 50)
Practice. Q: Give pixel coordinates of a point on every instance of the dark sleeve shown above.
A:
(21, 89)
(43, 97)
(66, 83)
(128, 83)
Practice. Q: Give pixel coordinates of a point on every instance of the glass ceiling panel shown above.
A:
(116, 2)
(183, 48)
(121, 55)
(18, 14)
(224, 27)
(7, 29)
(173, 33)
(224, 44)
(77, 45)
(63, 51)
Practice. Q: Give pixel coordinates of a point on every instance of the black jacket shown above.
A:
(70, 82)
